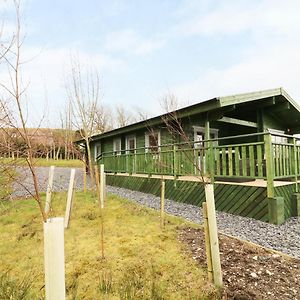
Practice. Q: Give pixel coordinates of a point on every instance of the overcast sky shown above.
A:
(145, 49)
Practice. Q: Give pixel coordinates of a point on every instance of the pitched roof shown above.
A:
(209, 105)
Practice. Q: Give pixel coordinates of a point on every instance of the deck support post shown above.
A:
(296, 205)
(276, 210)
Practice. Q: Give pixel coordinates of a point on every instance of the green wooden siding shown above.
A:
(286, 192)
(240, 200)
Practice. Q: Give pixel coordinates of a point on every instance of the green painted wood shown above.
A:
(251, 161)
(259, 161)
(244, 161)
(236, 199)
(230, 165)
(269, 165)
(218, 163)
(237, 161)
(242, 195)
(224, 162)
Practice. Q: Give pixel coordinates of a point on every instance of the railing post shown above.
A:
(269, 165)
(175, 171)
(295, 162)
(207, 171)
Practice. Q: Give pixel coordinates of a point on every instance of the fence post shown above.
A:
(49, 189)
(269, 165)
(162, 204)
(207, 243)
(70, 198)
(54, 257)
(213, 235)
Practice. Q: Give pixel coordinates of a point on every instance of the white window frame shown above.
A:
(117, 151)
(147, 140)
(129, 137)
(202, 129)
(96, 150)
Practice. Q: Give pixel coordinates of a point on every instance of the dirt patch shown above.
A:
(249, 272)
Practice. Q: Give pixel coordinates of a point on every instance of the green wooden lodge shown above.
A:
(245, 144)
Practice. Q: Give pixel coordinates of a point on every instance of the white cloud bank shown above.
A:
(272, 60)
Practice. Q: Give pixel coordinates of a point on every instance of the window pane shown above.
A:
(153, 142)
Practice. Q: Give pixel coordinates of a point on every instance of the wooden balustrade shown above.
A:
(261, 159)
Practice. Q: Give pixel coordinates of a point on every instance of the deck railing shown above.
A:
(257, 156)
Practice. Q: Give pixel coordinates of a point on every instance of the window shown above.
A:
(152, 141)
(130, 144)
(97, 151)
(117, 146)
(199, 135)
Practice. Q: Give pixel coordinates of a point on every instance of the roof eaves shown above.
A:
(247, 97)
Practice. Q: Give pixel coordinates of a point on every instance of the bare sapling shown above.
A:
(49, 190)
(16, 93)
(205, 175)
(162, 204)
(70, 198)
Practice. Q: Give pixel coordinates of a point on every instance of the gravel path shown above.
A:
(284, 238)
(23, 186)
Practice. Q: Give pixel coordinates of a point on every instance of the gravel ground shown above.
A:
(23, 186)
(284, 238)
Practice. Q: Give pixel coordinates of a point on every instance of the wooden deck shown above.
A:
(254, 183)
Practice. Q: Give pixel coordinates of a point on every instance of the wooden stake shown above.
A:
(54, 257)
(162, 204)
(97, 184)
(207, 243)
(84, 179)
(213, 235)
(49, 190)
(69, 198)
(102, 188)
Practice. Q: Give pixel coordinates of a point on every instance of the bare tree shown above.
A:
(169, 103)
(123, 117)
(83, 91)
(16, 93)
(103, 119)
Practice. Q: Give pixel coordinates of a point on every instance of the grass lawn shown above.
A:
(43, 162)
(141, 260)
(6, 177)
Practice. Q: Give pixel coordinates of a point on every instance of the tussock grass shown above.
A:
(141, 260)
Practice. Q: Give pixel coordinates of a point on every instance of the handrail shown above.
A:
(194, 143)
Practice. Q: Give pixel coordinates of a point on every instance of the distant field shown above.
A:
(141, 260)
(42, 162)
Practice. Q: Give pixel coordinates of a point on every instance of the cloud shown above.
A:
(44, 71)
(270, 58)
(270, 69)
(233, 17)
(129, 42)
